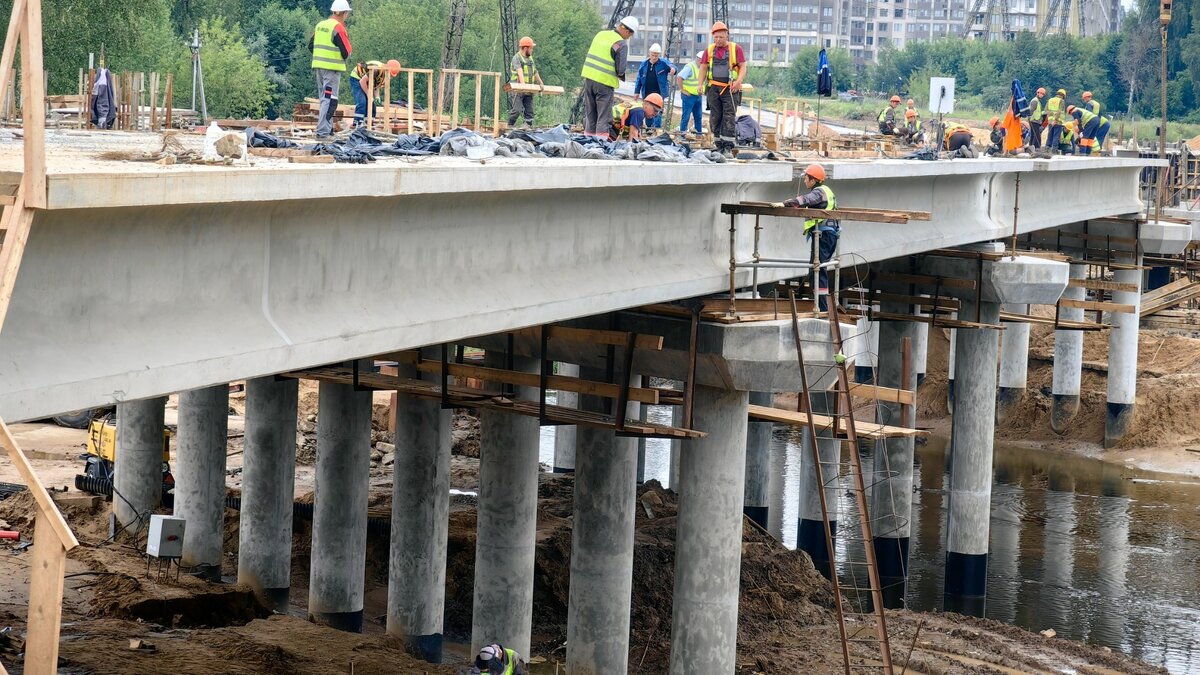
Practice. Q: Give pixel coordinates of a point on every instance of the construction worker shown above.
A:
(1066, 142)
(654, 77)
(1094, 106)
(818, 196)
(1090, 103)
(368, 82)
(1090, 125)
(958, 139)
(997, 137)
(330, 47)
(523, 70)
(688, 80)
(496, 660)
(603, 70)
(628, 119)
(722, 70)
(1037, 115)
(1055, 112)
(887, 118)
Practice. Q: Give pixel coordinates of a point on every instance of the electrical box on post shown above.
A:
(941, 95)
(166, 537)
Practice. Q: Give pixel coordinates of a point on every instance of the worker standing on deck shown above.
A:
(818, 196)
(603, 71)
(689, 93)
(630, 119)
(496, 660)
(887, 118)
(330, 47)
(523, 70)
(654, 77)
(1037, 115)
(1055, 116)
(367, 82)
(722, 70)
(1090, 125)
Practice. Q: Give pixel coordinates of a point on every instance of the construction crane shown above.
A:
(1059, 16)
(980, 20)
(720, 11)
(674, 50)
(622, 9)
(508, 27)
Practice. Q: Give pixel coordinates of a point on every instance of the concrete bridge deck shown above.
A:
(142, 280)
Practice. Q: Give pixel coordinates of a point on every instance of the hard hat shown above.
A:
(895, 99)
(339, 6)
(630, 22)
(995, 120)
(1087, 95)
(910, 102)
(719, 25)
(816, 172)
(654, 99)
(700, 54)
(490, 652)
(393, 67)
(1061, 92)
(1041, 91)
(526, 42)
(910, 113)
(1070, 110)
(655, 48)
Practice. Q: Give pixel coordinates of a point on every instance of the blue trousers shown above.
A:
(360, 102)
(826, 247)
(1101, 134)
(693, 106)
(1053, 135)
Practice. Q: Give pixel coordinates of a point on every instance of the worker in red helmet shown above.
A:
(818, 196)
(722, 71)
(630, 119)
(523, 70)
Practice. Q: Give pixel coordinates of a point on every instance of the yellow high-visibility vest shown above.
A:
(326, 55)
(598, 65)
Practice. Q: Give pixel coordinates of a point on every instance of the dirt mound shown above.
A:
(464, 437)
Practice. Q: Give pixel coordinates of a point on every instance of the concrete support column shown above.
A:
(339, 538)
(200, 476)
(564, 435)
(971, 463)
(507, 521)
(810, 530)
(676, 446)
(1068, 359)
(891, 495)
(598, 611)
(1122, 357)
(950, 368)
(137, 484)
(637, 411)
(1058, 546)
(268, 490)
(1014, 362)
(1113, 517)
(864, 362)
(708, 540)
(420, 512)
(758, 463)
(920, 350)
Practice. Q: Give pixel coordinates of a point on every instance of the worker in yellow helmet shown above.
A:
(523, 70)
(1056, 116)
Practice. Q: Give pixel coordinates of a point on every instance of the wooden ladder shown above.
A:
(865, 626)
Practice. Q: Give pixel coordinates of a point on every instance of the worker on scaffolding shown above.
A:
(603, 71)
(330, 47)
(689, 94)
(523, 70)
(367, 83)
(1089, 125)
(887, 118)
(494, 659)
(722, 71)
(819, 196)
(654, 77)
(629, 119)
(1056, 109)
(1037, 118)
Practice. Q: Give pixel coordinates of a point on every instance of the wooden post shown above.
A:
(370, 95)
(154, 101)
(10, 49)
(409, 121)
(429, 106)
(441, 101)
(170, 98)
(496, 110)
(87, 109)
(478, 102)
(457, 98)
(33, 97)
(387, 101)
(46, 579)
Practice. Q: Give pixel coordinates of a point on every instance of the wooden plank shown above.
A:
(940, 302)
(311, 159)
(1124, 241)
(10, 45)
(1097, 306)
(48, 565)
(1170, 300)
(665, 309)
(280, 152)
(55, 519)
(876, 393)
(533, 89)
(865, 430)
(1102, 285)
(970, 255)
(926, 280)
(15, 223)
(605, 337)
(33, 115)
(1162, 291)
(558, 382)
(1009, 317)
(939, 321)
(856, 215)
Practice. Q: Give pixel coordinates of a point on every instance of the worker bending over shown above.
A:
(689, 93)
(367, 83)
(958, 139)
(1091, 127)
(523, 70)
(1055, 116)
(887, 118)
(819, 196)
(603, 71)
(330, 47)
(722, 70)
(654, 77)
(629, 119)
(496, 660)
(1066, 142)
(1037, 117)
(1093, 105)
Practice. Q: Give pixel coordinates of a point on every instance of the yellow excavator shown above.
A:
(100, 458)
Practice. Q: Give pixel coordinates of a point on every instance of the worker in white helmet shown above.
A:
(603, 71)
(494, 659)
(654, 77)
(330, 47)
(689, 93)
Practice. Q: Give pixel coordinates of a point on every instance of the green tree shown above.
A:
(235, 80)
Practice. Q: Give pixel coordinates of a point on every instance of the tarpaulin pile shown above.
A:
(361, 146)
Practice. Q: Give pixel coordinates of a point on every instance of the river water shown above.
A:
(1100, 553)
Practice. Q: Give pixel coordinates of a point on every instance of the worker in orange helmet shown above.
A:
(523, 70)
(1037, 118)
(887, 118)
(997, 137)
(722, 71)
(367, 84)
(629, 119)
(819, 196)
